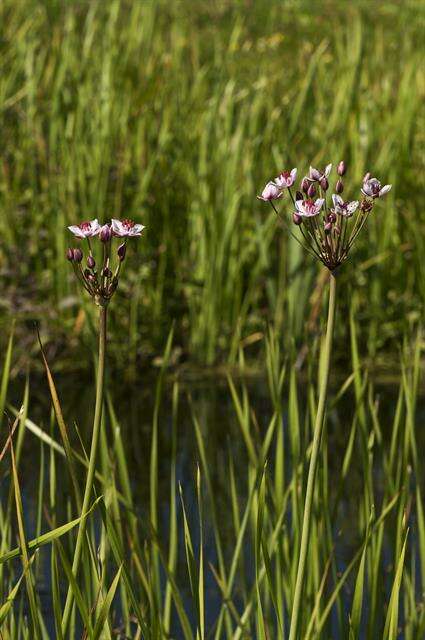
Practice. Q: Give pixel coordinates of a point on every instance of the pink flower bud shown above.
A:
(324, 183)
(304, 185)
(105, 233)
(297, 219)
(91, 263)
(331, 217)
(341, 168)
(339, 187)
(78, 255)
(311, 192)
(121, 251)
(70, 255)
(328, 228)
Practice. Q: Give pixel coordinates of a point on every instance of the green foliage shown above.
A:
(176, 114)
(149, 578)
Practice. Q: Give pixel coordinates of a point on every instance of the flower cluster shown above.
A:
(329, 227)
(101, 283)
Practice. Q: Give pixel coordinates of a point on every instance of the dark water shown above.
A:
(211, 400)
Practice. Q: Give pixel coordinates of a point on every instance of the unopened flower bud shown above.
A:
(339, 187)
(91, 278)
(331, 217)
(324, 183)
(341, 168)
(121, 251)
(311, 191)
(78, 255)
(328, 227)
(91, 263)
(70, 255)
(105, 233)
(305, 185)
(297, 219)
(106, 272)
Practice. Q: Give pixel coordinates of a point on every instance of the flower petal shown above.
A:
(314, 174)
(337, 200)
(118, 228)
(385, 189)
(94, 227)
(75, 229)
(137, 230)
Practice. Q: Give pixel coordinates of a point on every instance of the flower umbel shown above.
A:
(101, 283)
(328, 228)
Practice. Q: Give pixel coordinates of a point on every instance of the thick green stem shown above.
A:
(92, 464)
(317, 436)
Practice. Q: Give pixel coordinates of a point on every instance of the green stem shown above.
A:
(317, 436)
(92, 464)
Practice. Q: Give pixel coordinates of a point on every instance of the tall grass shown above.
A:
(175, 114)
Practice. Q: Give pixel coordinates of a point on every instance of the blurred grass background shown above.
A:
(176, 114)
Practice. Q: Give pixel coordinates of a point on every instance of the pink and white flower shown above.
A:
(346, 209)
(126, 228)
(314, 175)
(372, 187)
(270, 192)
(308, 208)
(286, 178)
(85, 229)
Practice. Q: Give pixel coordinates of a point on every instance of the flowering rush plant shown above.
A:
(101, 283)
(328, 226)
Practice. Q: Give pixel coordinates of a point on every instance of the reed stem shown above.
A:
(317, 436)
(92, 464)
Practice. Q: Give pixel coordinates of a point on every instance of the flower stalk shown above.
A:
(92, 462)
(328, 228)
(101, 285)
(317, 437)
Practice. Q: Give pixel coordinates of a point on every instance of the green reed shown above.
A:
(181, 141)
(132, 580)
